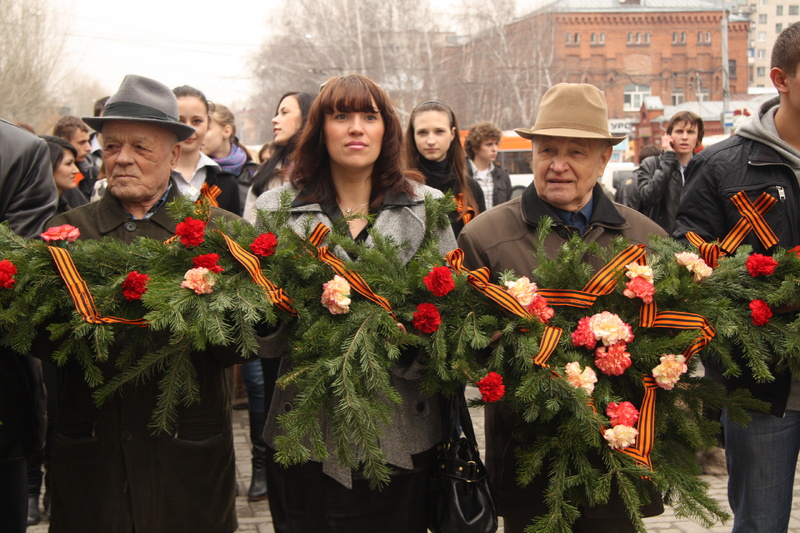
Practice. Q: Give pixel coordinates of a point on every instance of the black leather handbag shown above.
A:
(461, 500)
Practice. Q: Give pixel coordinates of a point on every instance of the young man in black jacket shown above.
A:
(763, 156)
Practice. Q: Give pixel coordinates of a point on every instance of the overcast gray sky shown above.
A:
(175, 43)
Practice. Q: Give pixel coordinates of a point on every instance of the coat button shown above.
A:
(130, 225)
(287, 407)
(127, 436)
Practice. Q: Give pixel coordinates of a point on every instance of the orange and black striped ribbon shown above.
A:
(211, 193)
(548, 345)
(479, 279)
(357, 283)
(602, 283)
(680, 320)
(79, 291)
(466, 212)
(251, 263)
(752, 220)
(646, 425)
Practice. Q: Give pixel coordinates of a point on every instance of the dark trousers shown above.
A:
(13, 496)
(315, 502)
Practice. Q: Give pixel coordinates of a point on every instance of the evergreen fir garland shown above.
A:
(341, 362)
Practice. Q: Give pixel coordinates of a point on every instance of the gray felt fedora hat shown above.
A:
(572, 110)
(141, 99)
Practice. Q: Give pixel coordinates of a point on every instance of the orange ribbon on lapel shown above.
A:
(357, 283)
(251, 263)
(752, 220)
(79, 291)
(211, 193)
(466, 212)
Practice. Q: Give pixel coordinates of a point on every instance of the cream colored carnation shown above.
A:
(336, 295)
(523, 290)
(620, 437)
(635, 270)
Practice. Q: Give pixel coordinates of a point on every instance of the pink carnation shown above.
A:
(623, 413)
(612, 360)
(583, 335)
(581, 379)
(610, 328)
(669, 371)
(61, 233)
(620, 437)
(200, 280)
(523, 290)
(336, 295)
(539, 308)
(640, 288)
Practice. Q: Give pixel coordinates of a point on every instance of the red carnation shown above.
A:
(440, 281)
(583, 334)
(622, 414)
(191, 231)
(264, 245)
(760, 312)
(491, 387)
(427, 318)
(7, 271)
(208, 261)
(612, 360)
(134, 286)
(795, 250)
(760, 265)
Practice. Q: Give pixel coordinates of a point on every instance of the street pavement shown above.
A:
(254, 517)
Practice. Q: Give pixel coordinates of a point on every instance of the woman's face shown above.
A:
(287, 122)
(193, 112)
(433, 134)
(353, 140)
(217, 143)
(64, 173)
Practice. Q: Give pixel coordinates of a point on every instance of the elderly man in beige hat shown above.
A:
(110, 472)
(571, 147)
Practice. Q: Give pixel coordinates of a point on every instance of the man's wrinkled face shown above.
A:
(565, 169)
(139, 159)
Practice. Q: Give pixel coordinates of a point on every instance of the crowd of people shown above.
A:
(345, 154)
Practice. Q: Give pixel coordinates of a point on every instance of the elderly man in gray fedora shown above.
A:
(109, 472)
(571, 147)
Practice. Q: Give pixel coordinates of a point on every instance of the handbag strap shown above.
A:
(461, 419)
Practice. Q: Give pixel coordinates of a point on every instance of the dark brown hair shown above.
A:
(455, 153)
(311, 171)
(689, 118)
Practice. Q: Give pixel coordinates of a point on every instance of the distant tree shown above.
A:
(393, 43)
(30, 56)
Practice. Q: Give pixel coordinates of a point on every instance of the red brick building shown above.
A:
(630, 50)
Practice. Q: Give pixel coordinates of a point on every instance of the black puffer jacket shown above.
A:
(713, 177)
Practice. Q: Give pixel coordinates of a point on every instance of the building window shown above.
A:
(647, 37)
(794, 10)
(778, 27)
(761, 71)
(679, 37)
(634, 96)
(779, 10)
(762, 36)
(577, 38)
(569, 38)
(761, 53)
(731, 68)
(677, 96)
(602, 38)
(762, 18)
(702, 94)
(598, 38)
(708, 36)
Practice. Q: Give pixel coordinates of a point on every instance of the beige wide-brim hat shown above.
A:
(141, 99)
(572, 110)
